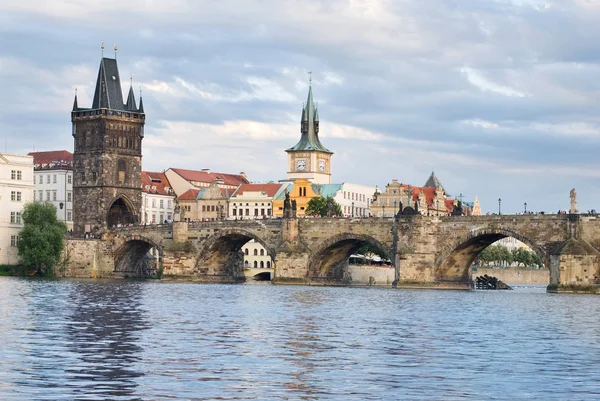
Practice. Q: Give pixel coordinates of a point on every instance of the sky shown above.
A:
(501, 98)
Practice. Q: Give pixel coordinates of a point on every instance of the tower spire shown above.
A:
(130, 105)
(75, 107)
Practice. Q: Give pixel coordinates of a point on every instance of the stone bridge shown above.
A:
(426, 251)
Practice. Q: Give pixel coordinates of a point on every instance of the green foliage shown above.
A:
(41, 240)
(499, 255)
(179, 246)
(14, 270)
(323, 207)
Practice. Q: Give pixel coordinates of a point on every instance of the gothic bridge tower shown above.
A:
(309, 159)
(108, 155)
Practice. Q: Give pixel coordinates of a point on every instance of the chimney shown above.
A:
(205, 170)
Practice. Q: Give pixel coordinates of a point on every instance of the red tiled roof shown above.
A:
(156, 183)
(190, 194)
(269, 189)
(210, 176)
(52, 160)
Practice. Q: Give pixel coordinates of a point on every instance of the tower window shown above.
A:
(121, 172)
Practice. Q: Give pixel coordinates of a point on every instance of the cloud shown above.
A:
(476, 79)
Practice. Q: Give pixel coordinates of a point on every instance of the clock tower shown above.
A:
(309, 159)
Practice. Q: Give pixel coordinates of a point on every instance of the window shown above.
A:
(255, 252)
(69, 179)
(162, 218)
(54, 195)
(162, 204)
(153, 219)
(204, 208)
(255, 264)
(268, 264)
(15, 174)
(235, 212)
(262, 252)
(69, 216)
(121, 171)
(69, 196)
(48, 195)
(14, 240)
(256, 212)
(212, 208)
(41, 180)
(40, 195)
(15, 196)
(169, 217)
(268, 212)
(153, 202)
(247, 212)
(262, 212)
(15, 217)
(48, 179)
(246, 251)
(262, 264)
(54, 179)
(94, 176)
(169, 204)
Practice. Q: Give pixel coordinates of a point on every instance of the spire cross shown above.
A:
(460, 197)
(131, 80)
(102, 47)
(409, 192)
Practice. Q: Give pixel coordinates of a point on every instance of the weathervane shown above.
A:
(102, 47)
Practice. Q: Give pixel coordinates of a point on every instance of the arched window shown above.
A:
(255, 264)
(121, 171)
(262, 252)
(255, 252)
(246, 251)
(268, 265)
(262, 264)
(246, 264)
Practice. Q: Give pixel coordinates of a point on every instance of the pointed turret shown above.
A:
(309, 128)
(130, 105)
(141, 109)
(433, 182)
(108, 93)
(75, 107)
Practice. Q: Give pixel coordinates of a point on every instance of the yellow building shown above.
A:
(301, 191)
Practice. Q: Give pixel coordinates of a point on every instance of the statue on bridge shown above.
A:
(573, 196)
(457, 211)
(294, 208)
(287, 206)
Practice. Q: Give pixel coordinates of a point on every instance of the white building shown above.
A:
(158, 198)
(354, 199)
(254, 201)
(53, 182)
(16, 189)
(257, 262)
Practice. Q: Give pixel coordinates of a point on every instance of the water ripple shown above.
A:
(97, 340)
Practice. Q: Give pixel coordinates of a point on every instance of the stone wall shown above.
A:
(88, 258)
(516, 276)
(371, 275)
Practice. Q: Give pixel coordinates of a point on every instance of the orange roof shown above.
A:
(156, 183)
(269, 189)
(52, 160)
(209, 176)
(190, 194)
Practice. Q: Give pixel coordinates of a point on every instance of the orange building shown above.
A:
(301, 191)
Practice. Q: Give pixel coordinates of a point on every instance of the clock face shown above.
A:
(300, 165)
(322, 165)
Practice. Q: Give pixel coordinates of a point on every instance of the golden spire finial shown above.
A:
(116, 48)
(102, 47)
(131, 80)
(75, 91)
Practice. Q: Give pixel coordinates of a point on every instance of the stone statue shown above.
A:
(287, 206)
(573, 196)
(294, 208)
(457, 211)
(177, 211)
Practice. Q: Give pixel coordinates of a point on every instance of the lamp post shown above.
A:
(499, 202)
(437, 206)
(525, 208)
(352, 209)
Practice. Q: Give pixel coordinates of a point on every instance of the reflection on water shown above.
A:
(95, 340)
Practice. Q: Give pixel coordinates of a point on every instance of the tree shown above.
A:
(324, 207)
(41, 240)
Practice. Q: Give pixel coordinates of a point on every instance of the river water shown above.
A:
(103, 340)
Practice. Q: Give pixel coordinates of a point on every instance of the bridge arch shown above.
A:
(330, 261)
(130, 256)
(221, 254)
(455, 260)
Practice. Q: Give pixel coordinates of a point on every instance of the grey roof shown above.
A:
(130, 105)
(141, 109)
(108, 93)
(310, 137)
(433, 182)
